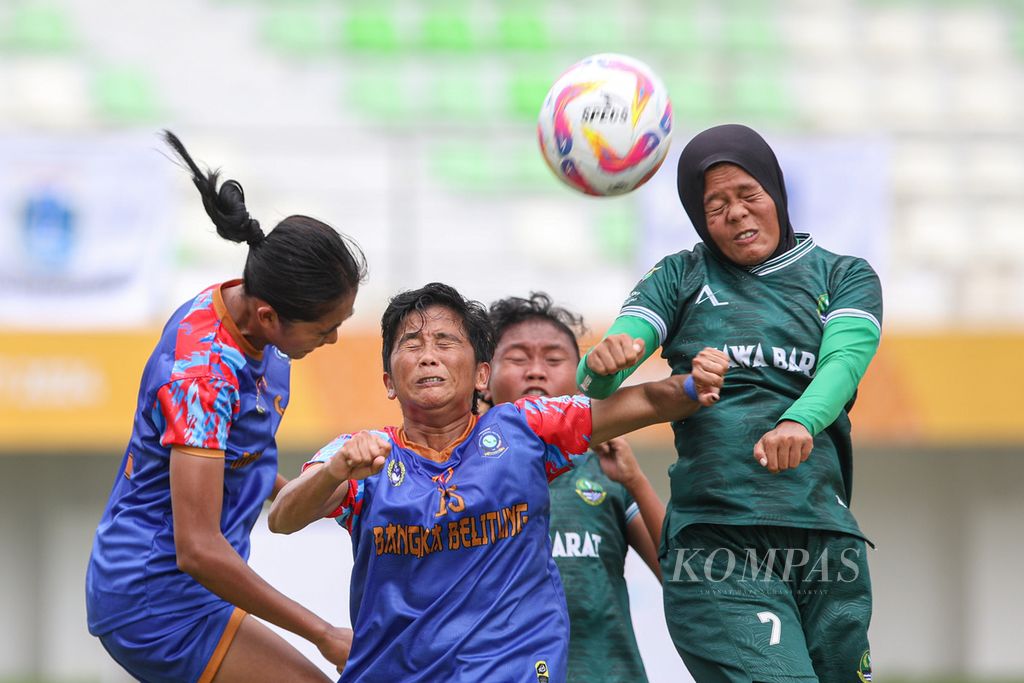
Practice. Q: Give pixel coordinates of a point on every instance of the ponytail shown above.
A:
(225, 208)
(301, 268)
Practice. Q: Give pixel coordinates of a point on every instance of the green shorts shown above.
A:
(768, 603)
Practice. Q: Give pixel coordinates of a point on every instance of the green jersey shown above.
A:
(769, 319)
(589, 514)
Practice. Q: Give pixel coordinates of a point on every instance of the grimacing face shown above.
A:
(433, 364)
(533, 358)
(740, 214)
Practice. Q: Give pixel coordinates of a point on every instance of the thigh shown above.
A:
(257, 654)
(835, 605)
(169, 648)
(730, 622)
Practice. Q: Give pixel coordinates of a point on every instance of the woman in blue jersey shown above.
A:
(598, 511)
(765, 568)
(169, 592)
(448, 513)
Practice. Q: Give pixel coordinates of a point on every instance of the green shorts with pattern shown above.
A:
(767, 603)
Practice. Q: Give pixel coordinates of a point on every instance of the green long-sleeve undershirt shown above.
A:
(847, 346)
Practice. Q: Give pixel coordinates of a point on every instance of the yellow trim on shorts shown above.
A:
(222, 646)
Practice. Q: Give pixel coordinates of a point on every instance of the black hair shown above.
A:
(513, 310)
(301, 268)
(473, 314)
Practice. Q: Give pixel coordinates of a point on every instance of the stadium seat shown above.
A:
(125, 94)
(39, 28)
(522, 29)
(296, 32)
(528, 86)
(369, 30)
(378, 95)
(760, 96)
(456, 95)
(448, 29)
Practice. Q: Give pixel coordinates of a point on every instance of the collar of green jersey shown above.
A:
(804, 245)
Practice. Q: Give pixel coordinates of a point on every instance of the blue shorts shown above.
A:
(172, 648)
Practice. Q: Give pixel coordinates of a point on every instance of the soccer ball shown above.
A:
(605, 125)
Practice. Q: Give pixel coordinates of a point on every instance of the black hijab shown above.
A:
(739, 145)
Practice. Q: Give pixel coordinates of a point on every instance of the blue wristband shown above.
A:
(689, 388)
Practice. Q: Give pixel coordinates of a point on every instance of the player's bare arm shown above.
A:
(204, 554)
(784, 447)
(319, 490)
(644, 532)
(635, 407)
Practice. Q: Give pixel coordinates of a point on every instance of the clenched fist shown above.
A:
(361, 456)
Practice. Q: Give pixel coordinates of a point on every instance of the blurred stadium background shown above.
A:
(410, 126)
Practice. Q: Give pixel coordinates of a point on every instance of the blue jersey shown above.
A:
(453, 577)
(206, 391)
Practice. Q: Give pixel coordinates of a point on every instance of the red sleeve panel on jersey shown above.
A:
(564, 423)
(198, 412)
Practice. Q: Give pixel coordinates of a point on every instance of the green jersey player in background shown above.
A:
(598, 510)
(764, 566)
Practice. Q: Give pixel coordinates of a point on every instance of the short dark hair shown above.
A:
(473, 314)
(513, 310)
(301, 268)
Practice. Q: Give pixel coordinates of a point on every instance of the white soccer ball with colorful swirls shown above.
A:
(606, 125)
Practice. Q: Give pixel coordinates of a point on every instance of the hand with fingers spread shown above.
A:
(784, 447)
(361, 456)
(708, 371)
(614, 353)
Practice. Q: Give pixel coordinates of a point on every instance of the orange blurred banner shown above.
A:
(78, 392)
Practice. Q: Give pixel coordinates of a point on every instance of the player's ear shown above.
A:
(266, 315)
(483, 376)
(390, 386)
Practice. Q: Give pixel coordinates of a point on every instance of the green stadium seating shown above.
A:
(125, 94)
(296, 32)
(519, 28)
(39, 28)
(456, 95)
(616, 230)
(749, 32)
(528, 86)
(695, 99)
(378, 95)
(448, 29)
(760, 96)
(369, 30)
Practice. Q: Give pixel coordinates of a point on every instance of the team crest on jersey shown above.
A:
(396, 472)
(591, 492)
(541, 668)
(864, 667)
(491, 442)
(822, 304)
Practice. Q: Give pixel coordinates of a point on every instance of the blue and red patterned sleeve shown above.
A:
(197, 412)
(347, 513)
(563, 423)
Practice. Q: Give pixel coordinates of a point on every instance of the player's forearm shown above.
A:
(652, 510)
(222, 571)
(847, 347)
(306, 499)
(641, 405)
(602, 386)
